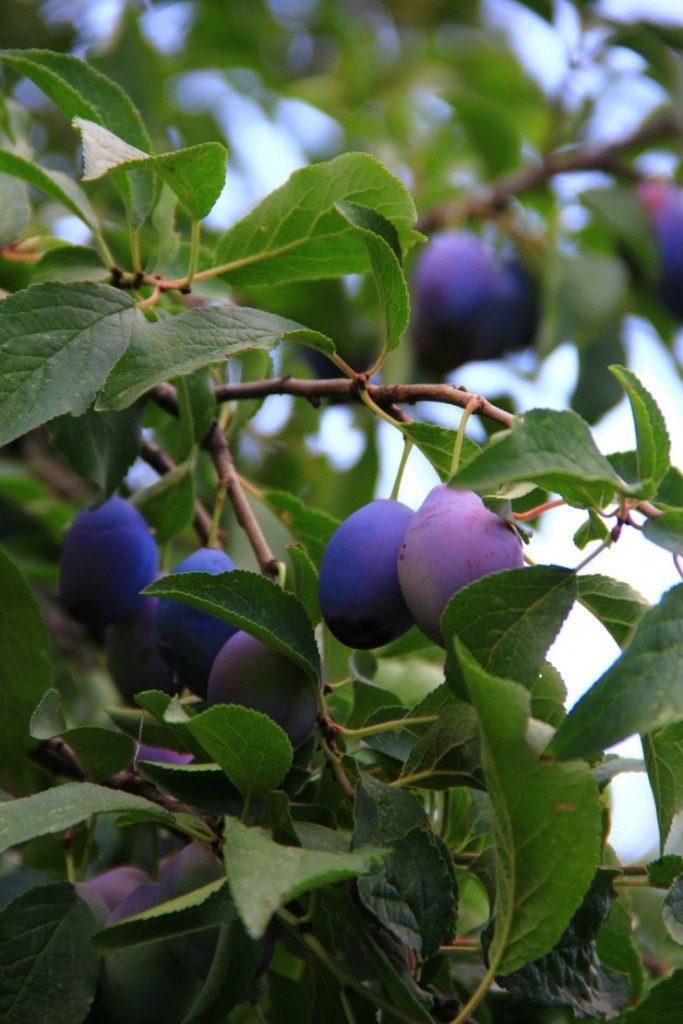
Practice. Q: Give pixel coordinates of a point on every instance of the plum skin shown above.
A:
(468, 304)
(452, 540)
(117, 883)
(108, 557)
(133, 658)
(145, 984)
(664, 206)
(248, 672)
(359, 592)
(190, 869)
(187, 638)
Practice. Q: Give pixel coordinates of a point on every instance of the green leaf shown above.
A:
(235, 963)
(48, 967)
(384, 250)
(251, 749)
(15, 209)
(48, 718)
(664, 871)
(411, 893)
(383, 813)
(311, 526)
(196, 785)
(663, 751)
(297, 232)
(100, 446)
(72, 263)
(616, 947)
(197, 403)
(25, 671)
(652, 436)
(571, 974)
(615, 604)
(436, 444)
(546, 822)
(100, 752)
(639, 693)
(263, 875)
(672, 911)
(548, 696)
(448, 753)
(623, 212)
(508, 620)
(80, 91)
(553, 449)
(53, 183)
(168, 505)
(56, 809)
(183, 343)
(666, 531)
(490, 130)
(305, 581)
(195, 175)
(663, 1003)
(250, 602)
(57, 345)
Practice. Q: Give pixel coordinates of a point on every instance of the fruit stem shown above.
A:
(471, 407)
(594, 554)
(407, 448)
(395, 723)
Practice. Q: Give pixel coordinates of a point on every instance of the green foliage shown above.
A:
(438, 847)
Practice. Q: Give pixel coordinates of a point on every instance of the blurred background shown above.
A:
(455, 97)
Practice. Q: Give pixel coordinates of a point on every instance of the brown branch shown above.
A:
(604, 158)
(153, 455)
(384, 395)
(217, 446)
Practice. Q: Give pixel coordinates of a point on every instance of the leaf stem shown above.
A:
(473, 404)
(379, 727)
(194, 250)
(407, 448)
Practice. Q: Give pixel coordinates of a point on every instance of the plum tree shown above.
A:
(194, 866)
(145, 984)
(133, 658)
(108, 557)
(189, 639)
(452, 540)
(664, 205)
(359, 591)
(248, 672)
(469, 304)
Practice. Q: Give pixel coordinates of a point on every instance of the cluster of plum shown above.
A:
(109, 556)
(158, 980)
(471, 304)
(387, 568)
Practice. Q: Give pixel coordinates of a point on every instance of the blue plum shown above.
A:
(117, 883)
(248, 672)
(359, 592)
(664, 205)
(108, 557)
(194, 866)
(133, 657)
(452, 540)
(469, 304)
(189, 639)
(162, 755)
(145, 984)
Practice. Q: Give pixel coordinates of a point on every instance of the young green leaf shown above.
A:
(264, 875)
(251, 749)
(57, 345)
(183, 343)
(553, 449)
(436, 443)
(640, 692)
(546, 824)
(25, 671)
(53, 183)
(297, 232)
(196, 175)
(615, 604)
(384, 250)
(652, 436)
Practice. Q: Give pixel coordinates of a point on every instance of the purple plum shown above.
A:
(664, 205)
(452, 540)
(133, 657)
